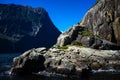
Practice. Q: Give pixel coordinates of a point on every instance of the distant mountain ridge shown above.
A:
(24, 27)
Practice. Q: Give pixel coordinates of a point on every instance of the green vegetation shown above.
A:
(60, 47)
(54, 46)
(96, 36)
(85, 32)
(76, 43)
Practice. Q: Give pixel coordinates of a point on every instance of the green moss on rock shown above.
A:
(61, 47)
(85, 32)
(76, 43)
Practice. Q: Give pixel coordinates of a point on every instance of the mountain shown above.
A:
(91, 45)
(24, 27)
(99, 29)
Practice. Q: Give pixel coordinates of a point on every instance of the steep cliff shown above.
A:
(24, 27)
(103, 19)
(99, 29)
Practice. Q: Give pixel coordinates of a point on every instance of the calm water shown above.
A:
(6, 62)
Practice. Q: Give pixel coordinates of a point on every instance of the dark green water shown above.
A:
(6, 62)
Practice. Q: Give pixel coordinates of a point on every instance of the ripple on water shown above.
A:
(108, 71)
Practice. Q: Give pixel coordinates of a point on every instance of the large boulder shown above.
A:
(96, 43)
(68, 36)
(29, 62)
(63, 40)
(23, 28)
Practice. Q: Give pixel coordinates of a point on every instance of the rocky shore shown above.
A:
(71, 61)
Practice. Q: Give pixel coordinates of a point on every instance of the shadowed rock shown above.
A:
(28, 63)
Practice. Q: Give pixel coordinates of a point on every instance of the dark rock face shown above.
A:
(103, 19)
(97, 43)
(23, 28)
(28, 63)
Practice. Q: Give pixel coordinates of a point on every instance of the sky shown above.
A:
(63, 13)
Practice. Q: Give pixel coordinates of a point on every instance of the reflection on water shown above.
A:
(6, 62)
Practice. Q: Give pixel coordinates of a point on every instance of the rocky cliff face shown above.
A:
(23, 27)
(99, 28)
(103, 19)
